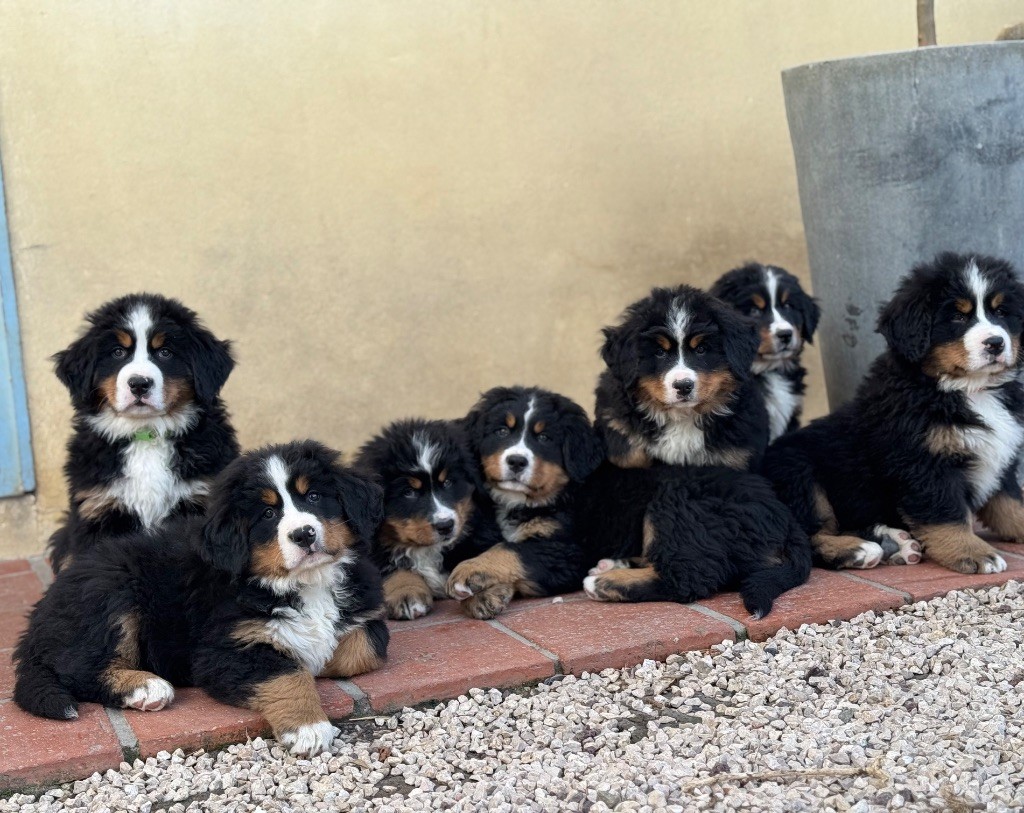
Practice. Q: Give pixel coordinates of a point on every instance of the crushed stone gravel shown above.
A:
(916, 709)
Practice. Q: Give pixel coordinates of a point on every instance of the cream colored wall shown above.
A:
(392, 206)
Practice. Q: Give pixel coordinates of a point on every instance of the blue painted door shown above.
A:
(16, 472)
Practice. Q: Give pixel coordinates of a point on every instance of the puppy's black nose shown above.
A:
(784, 336)
(304, 537)
(994, 345)
(683, 387)
(140, 385)
(517, 462)
(444, 527)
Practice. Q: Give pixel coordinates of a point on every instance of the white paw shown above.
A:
(309, 740)
(996, 565)
(589, 586)
(608, 564)
(461, 592)
(868, 556)
(413, 609)
(156, 694)
(907, 549)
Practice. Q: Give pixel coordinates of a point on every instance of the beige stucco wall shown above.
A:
(391, 206)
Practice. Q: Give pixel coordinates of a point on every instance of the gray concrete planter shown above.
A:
(900, 156)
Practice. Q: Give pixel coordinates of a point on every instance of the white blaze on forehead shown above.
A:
(140, 324)
(520, 448)
(426, 452)
(983, 329)
(771, 281)
(678, 323)
(291, 516)
(678, 320)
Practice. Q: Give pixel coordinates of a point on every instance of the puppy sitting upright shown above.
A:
(934, 434)
(678, 388)
(534, 449)
(787, 317)
(428, 477)
(150, 431)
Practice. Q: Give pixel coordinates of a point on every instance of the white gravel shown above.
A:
(917, 709)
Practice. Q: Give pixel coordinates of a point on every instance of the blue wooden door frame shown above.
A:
(17, 474)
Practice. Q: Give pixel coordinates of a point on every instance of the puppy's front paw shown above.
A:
(865, 556)
(153, 695)
(604, 565)
(469, 578)
(410, 606)
(980, 562)
(489, 602)
(309, 740)
(898, 546)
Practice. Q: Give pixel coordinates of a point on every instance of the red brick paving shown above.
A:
(445, 654)
(446, 660)
(34, 751)
(591, 636)
(826, 595)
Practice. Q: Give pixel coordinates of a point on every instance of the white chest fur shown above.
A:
(681, 442)
(148, 486)
(781, 401)
(995, 447)
(429, 563)
(311, 632)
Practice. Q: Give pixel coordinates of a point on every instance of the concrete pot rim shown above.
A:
(868, 61)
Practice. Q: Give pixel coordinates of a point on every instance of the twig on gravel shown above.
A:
(873, 769)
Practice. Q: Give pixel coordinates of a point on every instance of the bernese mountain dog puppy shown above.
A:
(934, 434)
(678, 387)
(787, 318)
(534, 449)
(428, 477)
(149, 430)
(272, 587)
(675, 515)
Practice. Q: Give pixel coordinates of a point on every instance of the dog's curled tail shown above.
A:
(760, 589)
(38, 691)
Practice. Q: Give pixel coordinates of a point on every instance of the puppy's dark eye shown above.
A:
(660, 352)
(164, 353)
(700, 349)
(447, 483)
(502, 431)
(313, 496)
(119, 353)
(959, 317)
(409, 493)
(543, 438)
(269, 513)
(1000, 312)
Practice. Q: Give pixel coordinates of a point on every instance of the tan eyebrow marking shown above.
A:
(124, 339)
(416, 483)
(664, 342)
(302, 484)
(696, 340)
(997, 300)
(759, 301)
(784, 297)
(510, 421)
(269, 496)
(442, 476)
(538, 427)
(964, 305)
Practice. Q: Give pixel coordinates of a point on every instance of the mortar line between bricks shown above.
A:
(737, 626)
(551, 656)
(360, 702)
(907, 598)
(41, 569)
(125, 734)
(1014, 554)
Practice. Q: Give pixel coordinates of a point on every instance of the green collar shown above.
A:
(144, 434)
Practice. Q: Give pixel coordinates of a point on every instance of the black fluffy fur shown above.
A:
(870, 457)
(200, 362)
(190, 585)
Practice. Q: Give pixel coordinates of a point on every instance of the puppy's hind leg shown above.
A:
(838, 551)
(627, 584)
(898, 546)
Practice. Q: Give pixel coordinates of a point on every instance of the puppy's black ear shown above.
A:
(225, 542)
(810, 314)
(740, 338)
(582, 449)
(211, 364)
(906, 322)
(363, 501)
(75, 367)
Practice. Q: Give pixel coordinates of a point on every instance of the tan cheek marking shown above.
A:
(398, 533)
(548, 479)
(950, 358)
(492, 466)
(759, 301)
(302, 484)
(108, 390)
(767, 345)
(266, 561)
(288, 702)
(462, 511)
(354, 655)
(158, 340)
(964, 305)
(651, 391)
(337, 536)
(714, 390)
(177, 393)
